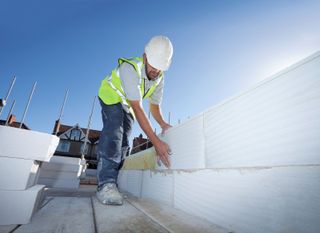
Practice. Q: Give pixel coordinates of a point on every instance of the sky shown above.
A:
(221, 48)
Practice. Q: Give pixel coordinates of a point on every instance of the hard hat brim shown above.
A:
(163, 66)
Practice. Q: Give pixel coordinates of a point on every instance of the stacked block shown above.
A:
(60, 172)
(251, 163)
(20, 154)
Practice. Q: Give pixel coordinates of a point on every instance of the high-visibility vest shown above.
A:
(111, 91)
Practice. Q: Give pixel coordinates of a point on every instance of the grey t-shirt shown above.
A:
(130, 84)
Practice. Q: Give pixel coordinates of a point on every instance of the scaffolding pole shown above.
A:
(11, 109)
(8, 93)
(27, 106)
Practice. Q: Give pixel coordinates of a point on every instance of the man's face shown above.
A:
(152, 73)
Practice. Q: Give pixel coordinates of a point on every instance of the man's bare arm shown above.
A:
(157, 115)
(161, 147)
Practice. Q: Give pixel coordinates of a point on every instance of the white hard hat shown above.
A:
(159, 52)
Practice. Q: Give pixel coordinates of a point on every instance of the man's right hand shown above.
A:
(163, 151)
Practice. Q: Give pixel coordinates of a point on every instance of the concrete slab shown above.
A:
(174, 220)
(62, 214)
(17, 207)
(17, 174)
(7, 228)
(125, 218)
(27, 144)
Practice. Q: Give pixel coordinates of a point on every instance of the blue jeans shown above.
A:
(113, 144)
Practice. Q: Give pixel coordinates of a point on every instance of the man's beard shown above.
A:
(150, 77)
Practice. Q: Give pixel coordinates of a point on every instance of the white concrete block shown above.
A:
(65, 160)
(187, 144)
(123, 180)
(134, 184)
(130, 181)
(91, 172)
(58, 174)
(59, 167)
(275, 123)
(158, 186)
(282, 199)
(27, 144)
(142, 160)
(17, 207)
(17, 174)
(59, 183)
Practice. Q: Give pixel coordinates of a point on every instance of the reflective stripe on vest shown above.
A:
(111, 91)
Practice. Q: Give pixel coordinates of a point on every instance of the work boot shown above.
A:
(109, 195)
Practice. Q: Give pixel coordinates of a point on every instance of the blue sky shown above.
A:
(221, 48)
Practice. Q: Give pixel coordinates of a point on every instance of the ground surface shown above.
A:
(78, 211)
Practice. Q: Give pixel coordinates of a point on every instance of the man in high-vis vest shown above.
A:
(120, 96)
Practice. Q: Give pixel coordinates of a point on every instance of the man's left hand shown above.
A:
(165, 127)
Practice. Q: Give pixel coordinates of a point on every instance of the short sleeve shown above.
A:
(130, 81)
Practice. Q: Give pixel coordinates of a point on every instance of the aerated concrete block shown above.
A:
(123, 179)
(134, 184)
(275, 123)
(143, 160)
(130, 181)
(187, 144)
(26, 144)
(17, 207)
(59, 167)
(59, 182)
(65, 160)
(264, 200)
(60, 172)
(158, 185)
(17, 174)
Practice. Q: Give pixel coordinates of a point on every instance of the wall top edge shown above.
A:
(292, 67)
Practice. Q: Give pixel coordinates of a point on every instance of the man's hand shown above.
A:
(165, 127)
(163, 151)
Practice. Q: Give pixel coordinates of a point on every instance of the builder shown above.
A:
(120, 96)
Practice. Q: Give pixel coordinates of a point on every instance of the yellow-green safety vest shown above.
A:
(111, 91)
